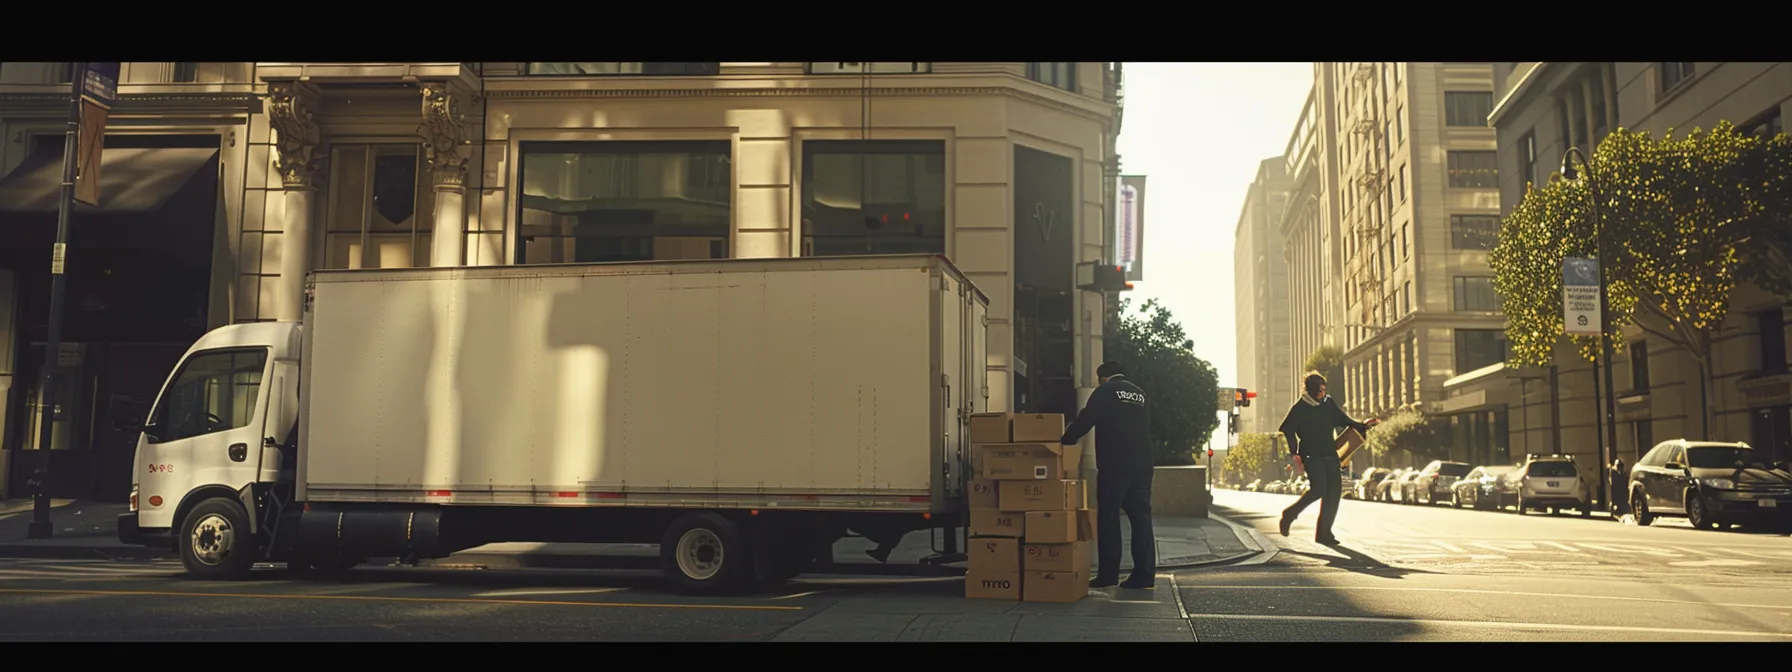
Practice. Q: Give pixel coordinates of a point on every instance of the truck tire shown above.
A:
(704, 553)
(215, 542)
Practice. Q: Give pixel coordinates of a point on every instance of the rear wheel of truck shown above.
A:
(216, 542)
(706, 554)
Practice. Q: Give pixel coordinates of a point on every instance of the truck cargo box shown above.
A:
(839, 383)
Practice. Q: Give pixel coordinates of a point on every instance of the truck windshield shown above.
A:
(214, 392)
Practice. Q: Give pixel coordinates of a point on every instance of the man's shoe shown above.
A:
(1328, 540)
(1135, 584)
(1103, 583)
(1286, 523)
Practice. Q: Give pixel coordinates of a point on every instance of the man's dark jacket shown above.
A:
(1122, 422)
(1312, 428)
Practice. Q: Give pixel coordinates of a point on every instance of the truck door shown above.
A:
(952, 383)
(205, 430)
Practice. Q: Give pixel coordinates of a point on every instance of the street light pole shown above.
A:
(1608, 444)
(40, 527)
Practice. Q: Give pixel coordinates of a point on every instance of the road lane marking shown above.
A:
(1720, 562)
(1510, 593)
(379, 598)
(797, 595)
(575, 591)
(1492, 624)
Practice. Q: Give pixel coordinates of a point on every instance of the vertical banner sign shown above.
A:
(1132, 227)
(1580, 297)
(99, 92)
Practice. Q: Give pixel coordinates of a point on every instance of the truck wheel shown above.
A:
(706, 554)
(215, 541)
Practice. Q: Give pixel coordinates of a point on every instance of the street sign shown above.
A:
(99, 92)
(1580, 297)
(99, 84)
(1228, 397)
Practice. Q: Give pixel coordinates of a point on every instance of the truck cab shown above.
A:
(216, 455)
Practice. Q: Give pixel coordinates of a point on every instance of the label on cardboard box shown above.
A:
(1028, 428)
(1052, 527)
(992, 428)
(1071, 557)
(1060, 495)
(982, 493)
(1066, 587)
(994, 554)
(993, 585)
(993, 523)
(1028, 461)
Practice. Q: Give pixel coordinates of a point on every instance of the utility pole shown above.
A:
(40, 527)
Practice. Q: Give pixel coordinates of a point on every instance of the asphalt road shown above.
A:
(1436, 573)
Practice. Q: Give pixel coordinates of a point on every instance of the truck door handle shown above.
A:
(239, 452)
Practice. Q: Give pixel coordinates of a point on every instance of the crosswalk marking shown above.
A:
(83, 569)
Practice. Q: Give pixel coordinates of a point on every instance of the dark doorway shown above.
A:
(139, 273)
(1771, 432)
(1044, 268)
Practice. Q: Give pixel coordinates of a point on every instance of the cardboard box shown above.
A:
(993, 428)
(994, 523)
(1052, 527)
(993, 585)
(1085, 525)
(1028, 461)
(994, 554)
(1071, 557)
(1060, 495)
(1040, 427)
(982, 493)
(1348, 442)
(1064, 587)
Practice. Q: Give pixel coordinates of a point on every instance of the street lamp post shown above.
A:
(1608, 447)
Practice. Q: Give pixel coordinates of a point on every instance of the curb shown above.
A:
(1251, 538)
(82, 552)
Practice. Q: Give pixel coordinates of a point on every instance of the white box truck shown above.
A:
(742, 414)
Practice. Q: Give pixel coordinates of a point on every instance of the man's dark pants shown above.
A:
(1326, 486)
(1126, 490)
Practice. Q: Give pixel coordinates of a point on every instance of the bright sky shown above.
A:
(1197, 131)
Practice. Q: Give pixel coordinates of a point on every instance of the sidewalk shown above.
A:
(85, 530)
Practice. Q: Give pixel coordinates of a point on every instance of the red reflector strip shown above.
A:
(440, 493)
(609, 495)
(566, 494)
(810, 498)
(920, 499)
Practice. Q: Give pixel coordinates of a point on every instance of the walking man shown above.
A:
(1123, 476)
(1312, 429)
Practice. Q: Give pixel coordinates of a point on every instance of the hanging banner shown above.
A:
(1580, 297)
(99, 92)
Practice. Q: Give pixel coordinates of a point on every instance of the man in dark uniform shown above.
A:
(1312, 430)
(1124, 466)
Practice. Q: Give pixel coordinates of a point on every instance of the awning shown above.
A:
(132, 180)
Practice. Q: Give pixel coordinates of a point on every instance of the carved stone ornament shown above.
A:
(444, 132)
(299, 158)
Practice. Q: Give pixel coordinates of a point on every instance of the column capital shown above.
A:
(444, 131)
(292, 107)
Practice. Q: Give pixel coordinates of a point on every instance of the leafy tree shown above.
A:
(1328, 360)
(1257, 456)
(1405, 430)
(1182, 387)
(1685, 219)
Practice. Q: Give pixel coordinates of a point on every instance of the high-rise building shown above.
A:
(1260, 300)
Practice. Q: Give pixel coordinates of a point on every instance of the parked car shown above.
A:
(1711, 484)
(1553, 483)
(1254, 486)
(1347, 485)
(1433, 482)
(1401, 490)
(1367, 486)
(1388, 490)
(1483, 488)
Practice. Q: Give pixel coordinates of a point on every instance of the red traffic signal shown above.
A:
(1210, 452)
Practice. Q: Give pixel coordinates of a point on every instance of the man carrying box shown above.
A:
(1312, 430)
(1123, 476)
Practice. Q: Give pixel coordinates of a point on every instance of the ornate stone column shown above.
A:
(300, 161)
(444, 140)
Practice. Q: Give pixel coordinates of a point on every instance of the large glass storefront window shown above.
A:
(381, 213)
(874, 197)
(617, 201)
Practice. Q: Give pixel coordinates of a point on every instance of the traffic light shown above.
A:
(1210, 453)
(1105, 278)
(1231, 423)
(1242, 397)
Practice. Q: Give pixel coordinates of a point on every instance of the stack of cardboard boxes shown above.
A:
(1032, 532)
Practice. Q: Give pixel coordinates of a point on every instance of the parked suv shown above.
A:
(1552, 482)
(1712, 484)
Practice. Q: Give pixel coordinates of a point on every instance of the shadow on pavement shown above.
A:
(643, 581)
(1359, 562)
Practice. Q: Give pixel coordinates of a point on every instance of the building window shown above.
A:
(1766, 126)
(1400, 125)
(1061, 75)
(608, 69)
(1674, 74)
(1474, 169)
(1406, 240)
(1527, 159)
(1475, 295)
(1479, 348)
(381, 213)
(1596, 103)
(1403, 171)
(1772, 325)
(1645, 435)
(868, 68)
(1406, 298)
(1467, 108)
(621, 201)
(1474, 232)
(1639, 366)
(874, 197)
